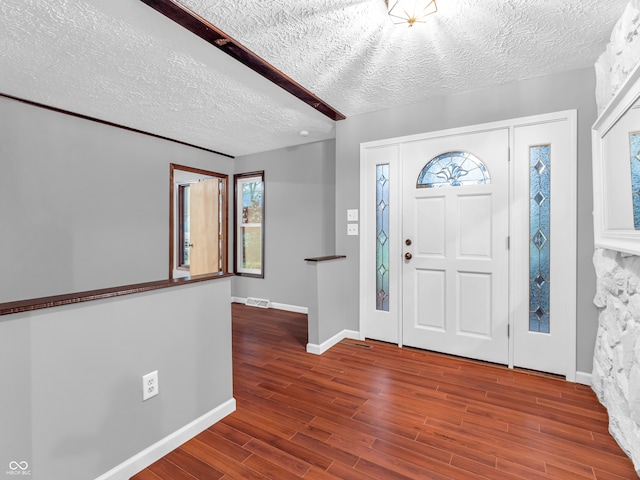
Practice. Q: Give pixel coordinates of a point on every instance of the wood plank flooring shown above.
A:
(369, 410)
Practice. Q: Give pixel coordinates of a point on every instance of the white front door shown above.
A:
(466, 286)
(455, 227)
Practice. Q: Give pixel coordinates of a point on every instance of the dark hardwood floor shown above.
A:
(369, 410)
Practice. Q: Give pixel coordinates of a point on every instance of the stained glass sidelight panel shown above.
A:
(634, 150)
(539, 238)
(382, 237)
(453, 169)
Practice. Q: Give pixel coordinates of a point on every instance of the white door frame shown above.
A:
(367, 226)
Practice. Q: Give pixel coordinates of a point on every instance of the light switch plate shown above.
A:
(352, 229)
(352, 215)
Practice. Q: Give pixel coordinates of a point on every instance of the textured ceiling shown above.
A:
(121, 61)
(349, 54)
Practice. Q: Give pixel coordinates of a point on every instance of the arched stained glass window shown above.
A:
(453, 169)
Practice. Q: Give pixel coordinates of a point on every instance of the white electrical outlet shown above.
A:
(352, 215)
(149, 385)
(352, 229)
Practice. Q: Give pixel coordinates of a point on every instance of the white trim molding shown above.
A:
(290, 308)
(277, 306)
(142, 460)
(337, 338)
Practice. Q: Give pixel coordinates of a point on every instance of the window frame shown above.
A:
(180, 263)
(238, 180)
(175, 230)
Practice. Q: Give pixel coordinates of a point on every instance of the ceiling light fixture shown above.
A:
(410, 11)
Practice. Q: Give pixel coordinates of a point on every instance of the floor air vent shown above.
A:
(258, 302)
(355, 344)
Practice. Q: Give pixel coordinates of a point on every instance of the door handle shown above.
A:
(408, 256)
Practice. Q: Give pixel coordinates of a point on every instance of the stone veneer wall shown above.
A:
(621, 56)
(616, 363)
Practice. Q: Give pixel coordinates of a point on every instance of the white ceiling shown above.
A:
(121, 61)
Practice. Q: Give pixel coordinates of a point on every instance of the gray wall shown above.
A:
(15, 391)
(570, 90)
(83, 205)
(72, 406)
(326, 316)
(299, 209)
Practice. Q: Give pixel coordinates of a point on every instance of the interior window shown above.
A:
(198, 241)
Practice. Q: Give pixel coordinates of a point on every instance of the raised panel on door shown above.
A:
(474, 226)
(431, 299)
(431, 236)
(475, 296)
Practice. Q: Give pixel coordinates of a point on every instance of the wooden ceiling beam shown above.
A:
(219, 39)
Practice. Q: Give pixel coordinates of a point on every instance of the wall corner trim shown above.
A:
(337, 338)
(142, 460)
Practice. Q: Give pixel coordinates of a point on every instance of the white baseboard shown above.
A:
(142, 460)
(584, 378)
(290, 308)
(324, 346)
(277, 306)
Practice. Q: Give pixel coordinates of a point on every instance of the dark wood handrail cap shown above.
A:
(325, 259)
(31, 304)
